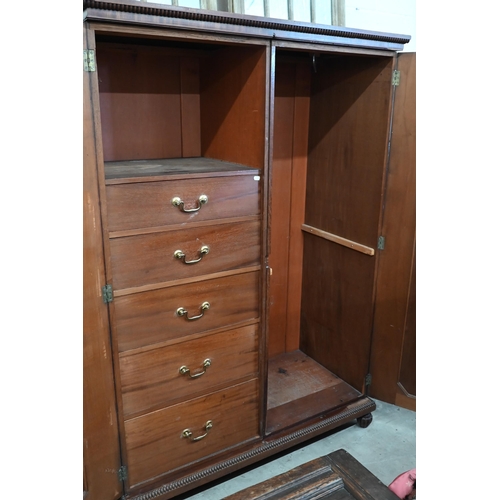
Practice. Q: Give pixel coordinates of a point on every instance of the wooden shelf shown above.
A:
(171, 166)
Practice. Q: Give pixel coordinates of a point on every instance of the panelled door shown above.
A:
(350, 111)
(393, 358)
(101, 449)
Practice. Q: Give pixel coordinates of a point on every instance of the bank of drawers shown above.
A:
(187, 333)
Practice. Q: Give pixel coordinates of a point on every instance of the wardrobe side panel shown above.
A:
(291, 122)
(297, 205)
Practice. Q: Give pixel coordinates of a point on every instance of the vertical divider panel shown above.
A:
(297, 203)
(190, 107)
(270, 52)
(284, 103)
(291, 124)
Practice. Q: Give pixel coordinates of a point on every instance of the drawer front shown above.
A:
(155, 444)
(149, 258)
(147, 318)
(149, 204)
(153, 379)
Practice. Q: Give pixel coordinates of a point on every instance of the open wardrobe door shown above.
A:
(101, 449)
(330, 142)
(393, 359)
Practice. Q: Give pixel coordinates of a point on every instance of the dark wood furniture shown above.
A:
(235, 171)
(393, 357)
(337, 476)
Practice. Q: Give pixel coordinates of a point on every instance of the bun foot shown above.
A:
(365, 420)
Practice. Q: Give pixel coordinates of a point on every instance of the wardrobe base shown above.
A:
(273, 444)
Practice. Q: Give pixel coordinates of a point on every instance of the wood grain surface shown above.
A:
(337, 476)
(101, 448)
(291, 122)
(393, 352)
(337, 305)
(233, 105)
(149, 258)
(140, 97)
(345, 170)
(155, 443)
(151, 379)
(279, 234)
(120, 172)
(143, 319)
(149, 204)
(299, 389)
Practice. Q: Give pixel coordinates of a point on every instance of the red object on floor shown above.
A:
(404, 485)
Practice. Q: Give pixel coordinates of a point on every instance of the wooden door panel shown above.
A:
(100, 428)
(407, 378)
(337, 302)
(350, 111)
(393, 349)
(347, 147)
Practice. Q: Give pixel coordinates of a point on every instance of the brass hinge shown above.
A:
(396, 77)
(122, 473)
(368, 379)
(381, 243)
(107, 294)
(88, 60)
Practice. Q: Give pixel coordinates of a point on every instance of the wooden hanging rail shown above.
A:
(338, 239)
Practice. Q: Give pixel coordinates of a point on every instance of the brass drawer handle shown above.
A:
(177, 202)
(182, 312)
(186, 433)
(183, 370)
(179, 254)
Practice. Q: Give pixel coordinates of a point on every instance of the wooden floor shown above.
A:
(299, 388)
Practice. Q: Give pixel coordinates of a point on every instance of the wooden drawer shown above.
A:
(152, 379)
(147, 318)
(149, 204)
(155, 443)
(149, 258)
